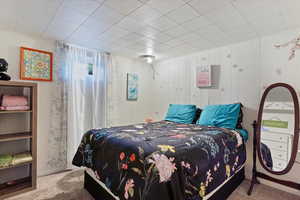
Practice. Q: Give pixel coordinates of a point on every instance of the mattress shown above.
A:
(206, 197)
(164, 160)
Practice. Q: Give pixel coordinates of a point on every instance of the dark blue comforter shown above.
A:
(161, 160)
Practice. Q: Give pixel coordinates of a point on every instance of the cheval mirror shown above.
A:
(276, 134)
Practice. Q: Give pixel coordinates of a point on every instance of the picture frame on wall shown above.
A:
(132, 86)
(204, 76)
(36, 65)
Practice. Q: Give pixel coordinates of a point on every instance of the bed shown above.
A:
(162, 160)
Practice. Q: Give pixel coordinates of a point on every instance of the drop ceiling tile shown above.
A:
(136, 46)
(162, 49)
(190, 37)
(65, 28)
(240, 29)
(39, 18)
(177, 31)
(107, 15)
(85, 7)
(122, 42)
(83, 43)
(132, 37)
(126, 52)
(163, 27)
(227, 27)
(145, 14)
(144, 1)
(147, 31)
(244, 4)
(130, 24)
(83, 34)
(269, 25)
(165, 6)
(114, 33)
(123, 6)
(147, 42)
(100, 44)
(106, 39)
(116, 47)
(196, 23)
(96, 25)
(174, 42)
(226, 17)
(162, 23)
(201, 44)
(257, 9)
(182, 14)
(69, 14)
(206, 6)
(214, 35)
(210, 32)
(221, 41)
(162, 37)
(241, 34)
(183, 50)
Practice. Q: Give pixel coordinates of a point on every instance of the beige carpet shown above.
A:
(69, 186)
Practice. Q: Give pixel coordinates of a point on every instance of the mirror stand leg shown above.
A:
(254, 176)
(251, 188)
(253, 182)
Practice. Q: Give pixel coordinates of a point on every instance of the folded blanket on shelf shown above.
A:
(14, 107)
(8, 100)
(21, 158)
(5, 160)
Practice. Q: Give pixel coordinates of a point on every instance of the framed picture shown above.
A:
(35, 64)
(132, 86)
(203, 76)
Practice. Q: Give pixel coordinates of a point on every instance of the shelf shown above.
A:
(18, 186)
(15, 136)
(17, 84)
(18, 165)
(14, 111)
(24, 165)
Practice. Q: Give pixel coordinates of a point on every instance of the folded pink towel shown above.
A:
(14, 107)
(8, 100)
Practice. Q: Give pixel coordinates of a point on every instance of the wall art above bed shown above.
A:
(203, 76)
(35, 64)
(132, 86)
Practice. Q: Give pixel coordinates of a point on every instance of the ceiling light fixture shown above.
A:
(148, 58)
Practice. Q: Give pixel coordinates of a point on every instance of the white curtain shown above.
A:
(85, 81)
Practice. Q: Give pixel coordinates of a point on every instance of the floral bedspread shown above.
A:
(161, 160)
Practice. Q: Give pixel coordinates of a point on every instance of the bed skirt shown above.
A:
(99, 193)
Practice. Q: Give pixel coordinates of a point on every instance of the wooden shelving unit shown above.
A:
(15, 111)
(15, 136)
(19, 185)
(18, 165)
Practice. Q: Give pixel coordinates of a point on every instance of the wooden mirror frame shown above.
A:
(296, 127)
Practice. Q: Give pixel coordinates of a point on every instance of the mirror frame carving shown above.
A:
(296, 127)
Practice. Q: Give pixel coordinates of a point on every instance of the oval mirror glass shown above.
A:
(278, 129)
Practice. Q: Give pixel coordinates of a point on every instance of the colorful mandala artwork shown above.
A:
(36, 65)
